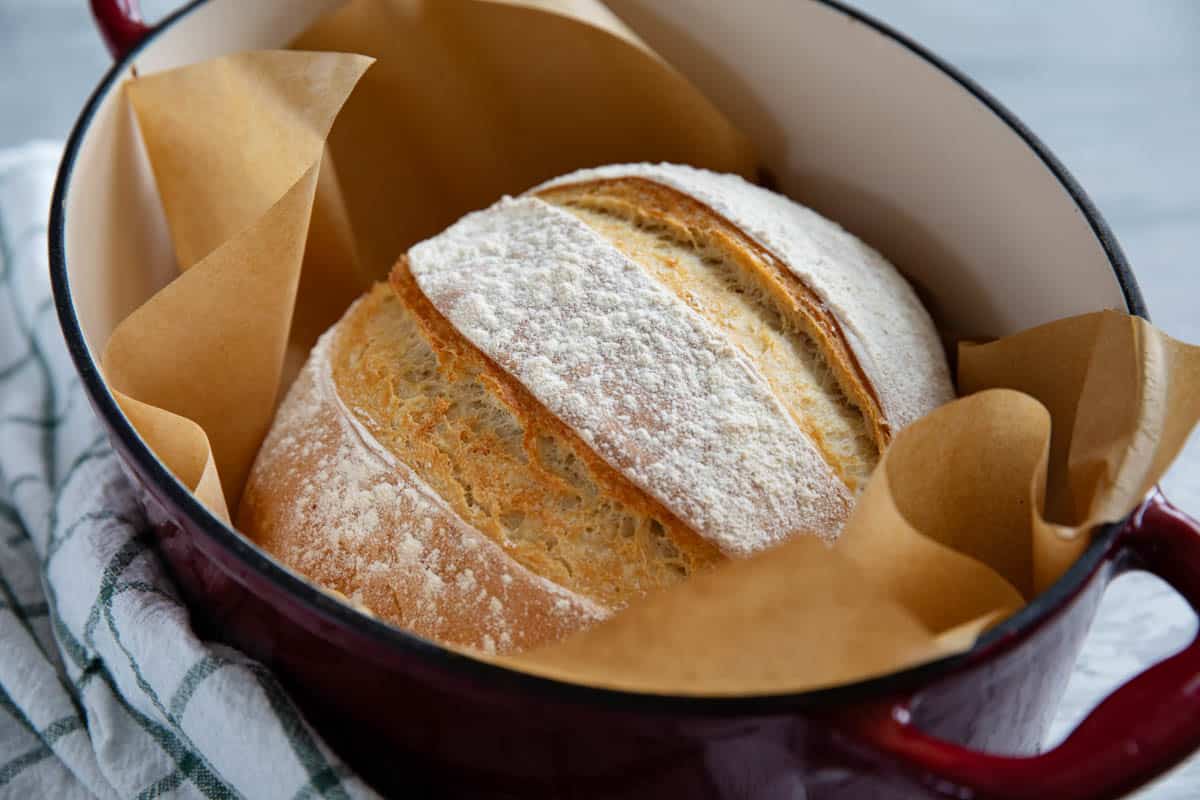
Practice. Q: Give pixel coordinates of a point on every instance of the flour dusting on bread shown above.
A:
(887, 327)
(639, 375)
(333, 504)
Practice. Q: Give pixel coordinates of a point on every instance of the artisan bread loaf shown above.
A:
(585, 394)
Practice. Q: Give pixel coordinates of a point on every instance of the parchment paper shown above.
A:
(236, 146)
(473, 99)
(971, 512)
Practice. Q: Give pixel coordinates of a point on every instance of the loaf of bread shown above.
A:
(587, 393)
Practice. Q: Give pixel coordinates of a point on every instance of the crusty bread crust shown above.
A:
(888, 332)
(564, 509)
(329, 503)
(695, 226)
(586, 540)
(650, 385)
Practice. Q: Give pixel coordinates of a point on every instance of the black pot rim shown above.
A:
(431, 655)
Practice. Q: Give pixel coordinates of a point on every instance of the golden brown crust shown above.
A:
(639, 198)
(624, 564)
(487, 480)
(402, 376)
(326, 504)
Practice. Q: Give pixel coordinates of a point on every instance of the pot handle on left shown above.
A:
(1138, 732)
(121, 25)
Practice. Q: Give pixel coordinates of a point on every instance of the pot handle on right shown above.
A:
(1138, 732)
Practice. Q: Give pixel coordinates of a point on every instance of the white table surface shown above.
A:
(1112, 86)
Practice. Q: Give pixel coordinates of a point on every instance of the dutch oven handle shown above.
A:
(121, 25)
(1141, 730)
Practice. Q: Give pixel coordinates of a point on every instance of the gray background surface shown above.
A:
(1113, 87)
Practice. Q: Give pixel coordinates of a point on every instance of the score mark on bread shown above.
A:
(596, 390)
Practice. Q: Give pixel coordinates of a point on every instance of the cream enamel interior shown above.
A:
(851, 123)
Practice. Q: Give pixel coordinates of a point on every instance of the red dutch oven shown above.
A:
(855, 120)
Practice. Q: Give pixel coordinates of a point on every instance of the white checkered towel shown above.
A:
(104, 689)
